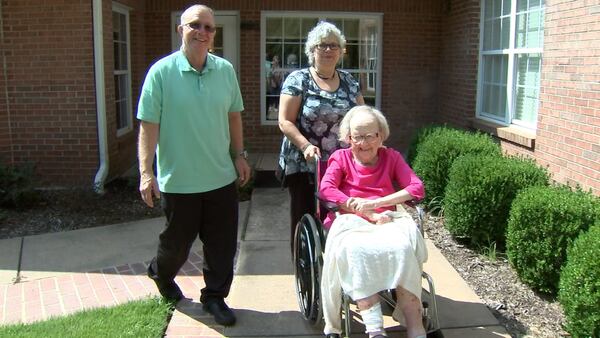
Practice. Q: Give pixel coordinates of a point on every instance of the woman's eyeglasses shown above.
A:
(369, 138)
(197, 26)
(330, 46)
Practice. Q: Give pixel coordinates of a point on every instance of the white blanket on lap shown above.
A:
(362, 259)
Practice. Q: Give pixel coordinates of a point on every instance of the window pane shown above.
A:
(528, 68)
(274, 29)
(291, 29)
(494, 86)
(529, 29)
(218, 42)
(350, 58)
(504, 44)
(291, 54)
(506, 7)
(116, 19)
(351, 30)
(121, 101)
(123, 54)
(488, 10)
(307, 25)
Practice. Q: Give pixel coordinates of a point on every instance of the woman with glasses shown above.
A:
(371, 246)
(312, 103)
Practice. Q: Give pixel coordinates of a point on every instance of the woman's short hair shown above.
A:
(320, 32)
(384, 128)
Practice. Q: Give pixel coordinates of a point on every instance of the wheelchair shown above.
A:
(308, 250)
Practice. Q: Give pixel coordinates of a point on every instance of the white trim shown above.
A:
(102, 172)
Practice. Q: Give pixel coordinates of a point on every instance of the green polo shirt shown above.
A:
(192, 109)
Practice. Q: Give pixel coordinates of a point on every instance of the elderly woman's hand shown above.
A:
(378, 218)
(362, 204)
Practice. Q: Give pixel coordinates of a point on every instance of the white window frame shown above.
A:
(122, 9)
(378, 17)
(511, 86)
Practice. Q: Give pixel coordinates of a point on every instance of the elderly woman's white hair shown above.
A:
(322, 31)
(384, 128)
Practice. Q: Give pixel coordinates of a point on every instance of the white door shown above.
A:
(226, 38)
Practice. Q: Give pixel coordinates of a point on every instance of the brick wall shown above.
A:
(568, 134)
(458, 64)
(51, 110)
(50, 116)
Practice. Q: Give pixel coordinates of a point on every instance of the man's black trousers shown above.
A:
(213, 217)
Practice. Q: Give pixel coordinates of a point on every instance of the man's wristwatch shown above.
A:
(243, 154)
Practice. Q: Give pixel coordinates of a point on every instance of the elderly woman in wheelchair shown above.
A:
(370, 246)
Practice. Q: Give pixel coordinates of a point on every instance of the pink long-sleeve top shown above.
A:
(345, 178)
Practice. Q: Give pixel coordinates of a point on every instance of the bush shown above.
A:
(16, 187)
(439, 150)
(420, 137)
(579, 292)
(543, 223)
(480, 191)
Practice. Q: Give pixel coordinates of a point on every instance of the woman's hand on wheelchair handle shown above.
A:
(311, 152)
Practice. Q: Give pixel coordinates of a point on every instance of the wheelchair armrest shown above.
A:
(413, 203)
(328, 205)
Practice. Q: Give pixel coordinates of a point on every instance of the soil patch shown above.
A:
(70, 209)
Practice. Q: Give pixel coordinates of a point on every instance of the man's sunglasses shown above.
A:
(197, 26)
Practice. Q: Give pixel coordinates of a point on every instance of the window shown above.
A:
(283, 36)
(122, 69)
(510, 61)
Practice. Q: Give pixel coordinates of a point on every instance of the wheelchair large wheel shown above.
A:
(308, 264)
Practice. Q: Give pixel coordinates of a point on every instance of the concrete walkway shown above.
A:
(61, 273)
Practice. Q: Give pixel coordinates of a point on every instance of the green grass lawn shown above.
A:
(141, 318)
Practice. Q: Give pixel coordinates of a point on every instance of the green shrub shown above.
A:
(16, 187)
(480, 191)
(439, 150)
(579, 292)
(420, 137)
(543, 223)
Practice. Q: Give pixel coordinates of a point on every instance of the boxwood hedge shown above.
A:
(440, 148)
(480, 191)
(579, 292)
(420, 137)
(543, 223)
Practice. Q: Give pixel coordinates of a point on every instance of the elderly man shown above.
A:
(190, 116)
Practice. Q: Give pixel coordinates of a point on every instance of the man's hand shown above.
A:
(149, 189)
(243, 170)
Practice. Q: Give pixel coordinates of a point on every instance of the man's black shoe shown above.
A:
(169, 289)
(222, 313)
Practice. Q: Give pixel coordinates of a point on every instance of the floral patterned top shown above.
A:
(319, 117)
